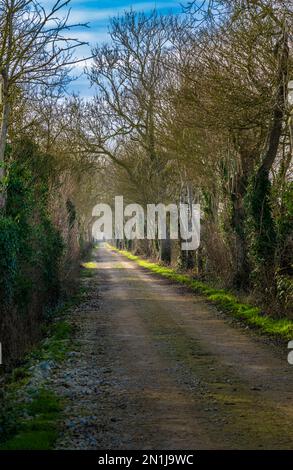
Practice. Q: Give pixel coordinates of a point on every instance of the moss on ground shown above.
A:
(56, 345)
(39, 429)
(251, 315)
(232, 406)
(29, 418)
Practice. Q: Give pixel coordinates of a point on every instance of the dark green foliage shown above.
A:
(261, 235)
(284, 272)
(9, 250)
(263, 224)
(269, 229)
(284, 221)
(51, 247)
(38, 244)
(30, 246)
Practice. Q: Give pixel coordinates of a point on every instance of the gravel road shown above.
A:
(155, 367)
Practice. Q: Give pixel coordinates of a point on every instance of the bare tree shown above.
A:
(36, 48)
(128, 76)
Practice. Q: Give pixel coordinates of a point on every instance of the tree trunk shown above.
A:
(3, 141)
(242, 274)
(261, 211)
(165, 250)
(186, 259)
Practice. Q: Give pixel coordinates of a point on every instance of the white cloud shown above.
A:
(91, 15)
(90, 36)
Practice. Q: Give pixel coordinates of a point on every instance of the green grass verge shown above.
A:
(31, 423)
(29, 418)
(38, 431)
(251, 315)
(56, 345)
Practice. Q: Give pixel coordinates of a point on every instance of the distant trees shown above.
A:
(129, 78)
(127, 75)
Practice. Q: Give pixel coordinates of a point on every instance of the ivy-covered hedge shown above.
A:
(9, 250)
(30, 250)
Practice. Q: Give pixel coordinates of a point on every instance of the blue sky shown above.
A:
(97, 14)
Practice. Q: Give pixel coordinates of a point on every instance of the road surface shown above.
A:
(155, 367)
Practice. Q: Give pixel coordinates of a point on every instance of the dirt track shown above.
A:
(156, 368)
